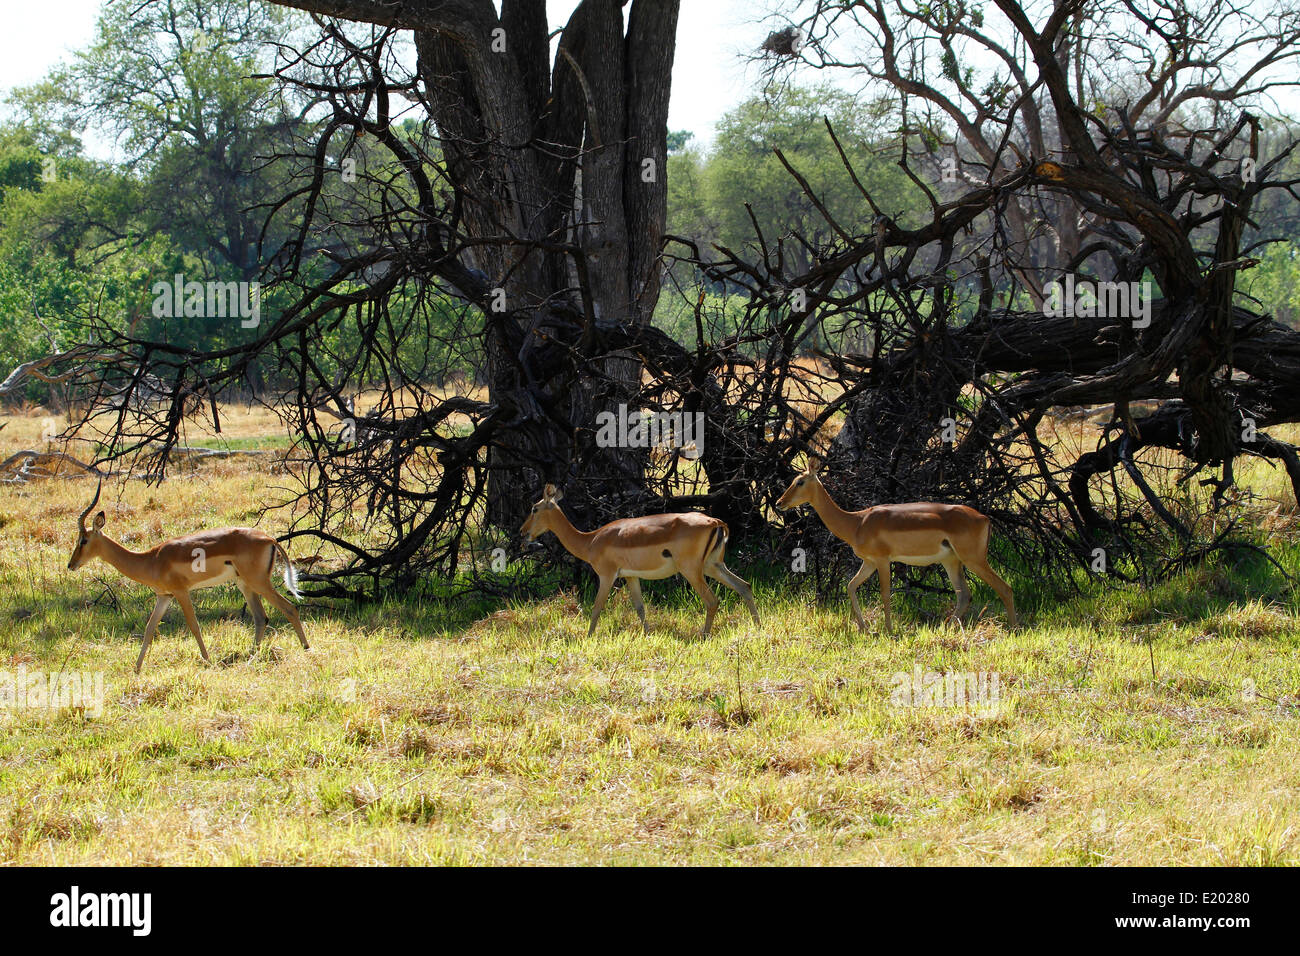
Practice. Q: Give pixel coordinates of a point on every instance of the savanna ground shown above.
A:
(1127, 730)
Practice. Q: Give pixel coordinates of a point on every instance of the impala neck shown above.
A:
(843, 524)
(577, 543)
(130, 563)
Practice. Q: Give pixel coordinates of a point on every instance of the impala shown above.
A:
(175, 568)
(920, 533)
(652, 547)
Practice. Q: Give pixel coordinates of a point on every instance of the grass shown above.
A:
(1132, 727)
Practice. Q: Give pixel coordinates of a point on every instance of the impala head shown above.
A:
(538, 521)
(800, 491)
(88, 539)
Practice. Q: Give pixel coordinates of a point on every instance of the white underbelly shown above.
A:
(665, 569)
(221, 575)
(917, 560)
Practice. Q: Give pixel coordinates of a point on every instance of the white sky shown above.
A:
(709, 72)
(38, 35)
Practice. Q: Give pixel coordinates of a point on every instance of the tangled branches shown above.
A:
(470, 316)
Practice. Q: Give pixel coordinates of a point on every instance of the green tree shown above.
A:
(1275, 282)
(711, 196)
(745, 170)
(179, 86)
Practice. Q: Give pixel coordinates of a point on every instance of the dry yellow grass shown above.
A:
(1133, 727)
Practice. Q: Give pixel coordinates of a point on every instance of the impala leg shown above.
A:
(255, 606)
(720, 572)
(159, 608)
(958, 579)
(183, 599)
(990, 577)
(634, 592)
(602, 595)
(289, 611)
(710, 599)
(864, 574)
(882, 568)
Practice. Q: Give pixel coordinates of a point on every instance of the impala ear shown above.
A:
(556, 493)
(99, 521)
(814, 464)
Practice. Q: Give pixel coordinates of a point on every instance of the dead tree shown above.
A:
(543, 198)
(1158, 187)
(550, 196)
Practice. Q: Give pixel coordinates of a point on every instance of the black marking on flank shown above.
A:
(716, 535)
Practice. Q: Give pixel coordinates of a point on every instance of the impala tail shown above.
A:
(290, 573)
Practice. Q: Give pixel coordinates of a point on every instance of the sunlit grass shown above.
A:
(1134, 726)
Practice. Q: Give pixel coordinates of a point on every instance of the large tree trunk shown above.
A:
(544, 155)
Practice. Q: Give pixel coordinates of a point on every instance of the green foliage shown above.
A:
(172, 84)
(175, 85)
(677, 139)
(744, 168)
(713, 197)
(720, 314)
(1275, 282)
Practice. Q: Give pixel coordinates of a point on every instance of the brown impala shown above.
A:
(652, 547)
(920, 533)
(175, 568)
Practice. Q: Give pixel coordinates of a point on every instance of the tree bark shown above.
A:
(552, 163)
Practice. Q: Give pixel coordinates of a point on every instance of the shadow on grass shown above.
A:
(447, 610)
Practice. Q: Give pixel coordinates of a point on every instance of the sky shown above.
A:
(37, 35)
(709, 72)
